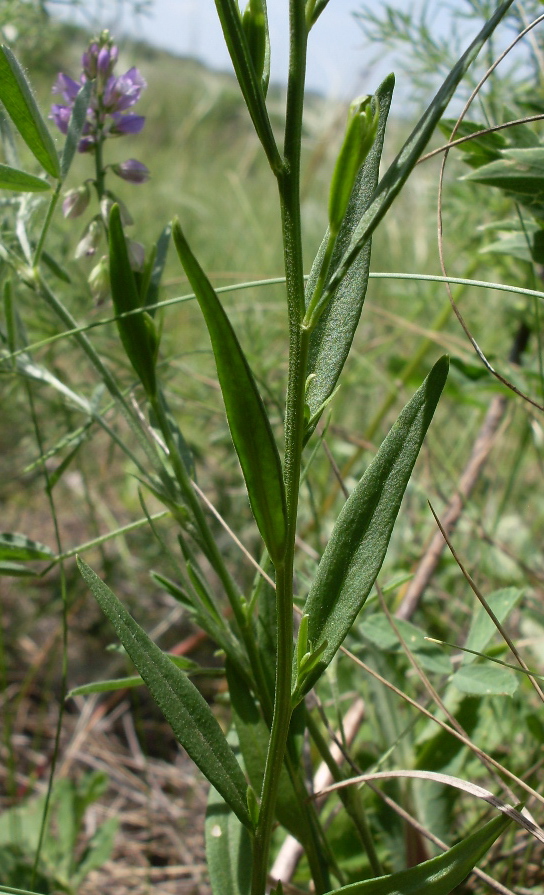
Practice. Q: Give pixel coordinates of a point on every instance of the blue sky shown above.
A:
(337, 59)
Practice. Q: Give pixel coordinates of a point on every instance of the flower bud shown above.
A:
(90, 240)
(132, 170)
(136, 254)
(99, 281)
(360, 135)
(76, 201)
(255, 30)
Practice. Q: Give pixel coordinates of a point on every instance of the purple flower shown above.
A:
(111, 96)
(123, 92)
(132, 170)
(61, 116)
(67, 87)
(126, 124)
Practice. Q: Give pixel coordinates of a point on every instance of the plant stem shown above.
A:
(46, 225)
(289, 190)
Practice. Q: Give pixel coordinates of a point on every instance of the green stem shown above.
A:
(46, 225)
(100, 172)
(289, 189)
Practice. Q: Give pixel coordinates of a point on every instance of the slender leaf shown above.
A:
(13, 179)
(250, 83)
(356, 550)
(15, 570)
(137, 331)
(186, 711)
(18, 547)
(16, 96)
(249, 424)
(399, 171)
(440, 875)
(331, 339)
(228, 849)
(75, 127)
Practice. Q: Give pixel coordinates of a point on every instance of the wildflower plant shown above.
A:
(257, 776)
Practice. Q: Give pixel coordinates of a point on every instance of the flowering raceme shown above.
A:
(111, 96)
(109, 114)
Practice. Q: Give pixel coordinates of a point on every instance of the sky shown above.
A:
(337, 59)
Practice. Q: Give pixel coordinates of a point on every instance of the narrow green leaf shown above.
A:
(18, 547)
(399, 171)
(186, 711)
(248, 79)
(137, 331)
(55, 268)
(228, 849)
(331, 339)
(16, 96)
(15, 570)
(517, 171)
(357, 547)
(440, 875)
(75, 127)
(13, 179)
(249, 424)
(485, 680)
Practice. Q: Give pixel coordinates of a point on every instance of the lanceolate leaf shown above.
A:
(16, 96)
(440, 875)
(13, 179)
(331, 340)
(17, 547)
(356, 550)
(137, 331)
(75, 127)
(397, 174)
(246, 414)
(250, 83)
(184, 708)
(228, 849)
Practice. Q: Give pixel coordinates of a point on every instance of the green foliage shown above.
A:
(16, 96)
(355, 552)
(63, 865)
(440, 875)
(162, 417)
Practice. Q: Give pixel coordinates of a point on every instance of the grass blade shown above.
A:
(249, 424)
(16, 96)
(184, 708)
(356, 550)
(440, 875)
